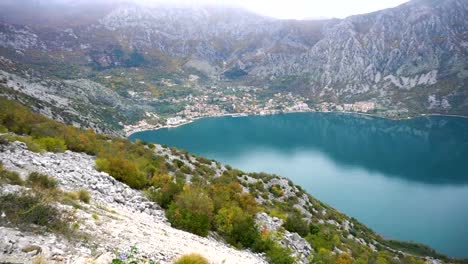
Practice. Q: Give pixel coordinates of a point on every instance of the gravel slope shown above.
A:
(124, 218)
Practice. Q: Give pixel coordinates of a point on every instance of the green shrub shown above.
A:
(262, 245)
(344, 258)
(164, 195)
(3, 139)
(193, 222)
(204, 160)
(122, 170)
(295, 223)
(192, 211)
(236, 226)
(276, 190)
(313, 228)
(185, 169)
(102, 164)
(279, 255)
(52, 144)
(324, 256)
(178, 163)
(24, 209)
(32, 144)
(42, 181)
(84, 196)
(71, 195)
(9, 177)
(274, 253)
(192, 258)
(325, 238)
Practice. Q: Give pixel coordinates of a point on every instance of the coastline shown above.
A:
(154, 128)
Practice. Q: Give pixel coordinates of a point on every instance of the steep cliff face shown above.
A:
(410, 51)
(411, 57)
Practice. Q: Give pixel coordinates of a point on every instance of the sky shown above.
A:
(297, 9)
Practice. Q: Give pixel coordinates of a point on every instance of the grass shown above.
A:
(84, 196)
(9, 177)
(41, 181)
(36, 206)
(192, 258)
(30, 208)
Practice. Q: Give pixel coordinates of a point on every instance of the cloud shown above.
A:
(294, 9)
(289, 9)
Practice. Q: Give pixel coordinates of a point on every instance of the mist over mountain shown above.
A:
(412, 58)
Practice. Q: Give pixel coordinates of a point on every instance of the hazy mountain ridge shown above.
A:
(411, 58)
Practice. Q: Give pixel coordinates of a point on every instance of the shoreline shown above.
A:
(235, 115)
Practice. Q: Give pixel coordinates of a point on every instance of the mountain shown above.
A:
(411, 59)
(73, 196)
(79, 195)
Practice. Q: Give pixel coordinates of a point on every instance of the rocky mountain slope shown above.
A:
(412, 58)
(122, 218)
(105, 65)
(61, 205)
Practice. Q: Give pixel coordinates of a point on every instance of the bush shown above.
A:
(32, 144)
(193, 222)
(3, 139)
(204, 160)
(343, 259)
(314, 229)
(275, 253)
(24, 209)
(325, 256)
(192, 258)
(164, 195)
(279, 255)
(276, 190)
(84, 196)
(159, 180)
(42, 181)
(9, 177)
(295, 223)
(236, 226)
(122, 170)
(192, 211)
(326, 238)
(52, 144)
(72, 195)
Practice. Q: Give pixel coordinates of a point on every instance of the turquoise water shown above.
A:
(406, 179)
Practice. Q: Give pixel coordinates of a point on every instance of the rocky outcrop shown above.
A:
(83, 103)
(117, 218)
(300, 247)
